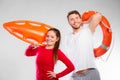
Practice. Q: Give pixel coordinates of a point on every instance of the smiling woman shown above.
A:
(48, 55)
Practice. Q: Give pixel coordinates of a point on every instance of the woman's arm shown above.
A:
(67, 62)
(31, 50)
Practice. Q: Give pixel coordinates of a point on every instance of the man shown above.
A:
(79, 45)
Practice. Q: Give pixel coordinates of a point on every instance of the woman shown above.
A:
(48, 55)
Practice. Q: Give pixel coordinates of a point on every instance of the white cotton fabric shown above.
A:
(79, 48)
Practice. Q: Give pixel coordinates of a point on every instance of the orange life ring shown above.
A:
(28, 31)
(107, 34)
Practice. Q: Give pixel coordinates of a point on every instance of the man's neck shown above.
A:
(75, 31)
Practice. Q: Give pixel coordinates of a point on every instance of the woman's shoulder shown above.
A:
(60, 52)
(41, 47)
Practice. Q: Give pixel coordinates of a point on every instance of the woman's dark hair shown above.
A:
(73, 12)
(55, 50)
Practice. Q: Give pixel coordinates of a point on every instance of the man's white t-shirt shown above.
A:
(79, 48)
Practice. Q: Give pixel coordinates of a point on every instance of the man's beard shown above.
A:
(77, 27)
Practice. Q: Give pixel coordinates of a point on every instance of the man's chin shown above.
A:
(76, 27)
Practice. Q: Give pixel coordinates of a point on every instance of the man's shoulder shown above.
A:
(85, 25)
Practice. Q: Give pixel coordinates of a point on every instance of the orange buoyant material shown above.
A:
(29, 31)
(107, 34)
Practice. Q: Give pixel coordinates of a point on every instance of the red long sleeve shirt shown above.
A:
(45, 62)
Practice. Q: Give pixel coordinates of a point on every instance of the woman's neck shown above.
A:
(49, 47)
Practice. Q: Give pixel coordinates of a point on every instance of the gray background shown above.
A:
(14, 65)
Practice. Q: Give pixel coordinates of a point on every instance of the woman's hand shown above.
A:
(51, 74)
(35, 45)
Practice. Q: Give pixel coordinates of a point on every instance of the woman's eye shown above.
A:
(52, 37)
(47, 36)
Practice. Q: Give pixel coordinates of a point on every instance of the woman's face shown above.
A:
(51, 38)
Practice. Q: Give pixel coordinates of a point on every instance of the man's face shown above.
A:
(75, 21)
